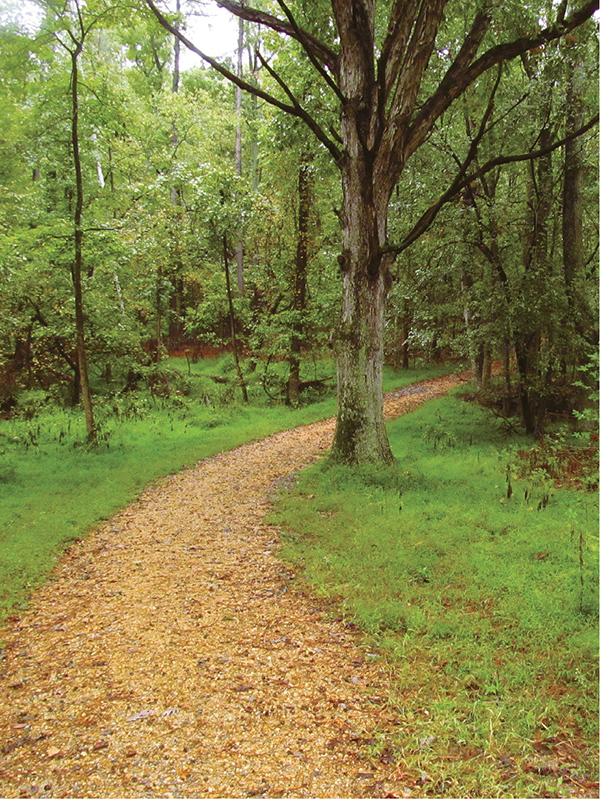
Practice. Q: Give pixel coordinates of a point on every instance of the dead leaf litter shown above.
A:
(170, 655)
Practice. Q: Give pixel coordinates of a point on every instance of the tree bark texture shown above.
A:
(360, 435)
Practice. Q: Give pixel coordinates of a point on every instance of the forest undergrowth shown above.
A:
(474, 572)
(54, 487)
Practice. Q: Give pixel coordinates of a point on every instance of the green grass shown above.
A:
(54, 488)
(485, 606)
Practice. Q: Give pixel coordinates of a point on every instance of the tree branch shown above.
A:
(392, 156)
(248, 87)
(301, 112)
(401, 20)
(460, 183)
(301, 37)
(295, 109)
(321, 51)
(418, 54)
(462, 73)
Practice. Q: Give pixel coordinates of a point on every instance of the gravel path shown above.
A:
(171, 655)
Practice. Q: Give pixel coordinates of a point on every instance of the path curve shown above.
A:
(170, 656)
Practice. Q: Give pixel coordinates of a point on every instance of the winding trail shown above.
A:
(171, 656)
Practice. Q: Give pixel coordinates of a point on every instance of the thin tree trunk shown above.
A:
(486, 371)
(527, 402)
(159, 342)
(234, 342)
(299, 301)
(405, 348)
(239, 250)
(86, 397)
(507, 379)
(176, 54)
(176, 304)
(572, 216)
(466, 282)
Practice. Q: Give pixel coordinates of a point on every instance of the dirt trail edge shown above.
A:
(170, 656)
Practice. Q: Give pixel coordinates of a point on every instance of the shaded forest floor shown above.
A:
(169, 655)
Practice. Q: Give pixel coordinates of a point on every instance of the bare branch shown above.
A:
(459, 184)
(295, 109)
(319, 50)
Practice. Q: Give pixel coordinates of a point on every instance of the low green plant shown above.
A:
(483, 600)
(590, 373)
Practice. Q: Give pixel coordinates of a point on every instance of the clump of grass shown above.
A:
(480, 587)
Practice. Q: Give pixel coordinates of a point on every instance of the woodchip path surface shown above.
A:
(171, 656)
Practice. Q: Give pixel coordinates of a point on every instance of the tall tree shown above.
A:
(239, 248)
(73, 41)
(392, 73)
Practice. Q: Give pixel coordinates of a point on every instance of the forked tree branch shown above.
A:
(462, 73)
(460, 183)
(301, 112)
(248, 87)
(294, 110)
(404, 93)
(301, 37)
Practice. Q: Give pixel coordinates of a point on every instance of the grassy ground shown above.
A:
(54, 488)
(480, 588)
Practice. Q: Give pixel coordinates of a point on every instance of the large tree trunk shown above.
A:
(360, 435)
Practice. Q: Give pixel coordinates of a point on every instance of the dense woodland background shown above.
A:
(173, 269)
(207, 220)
